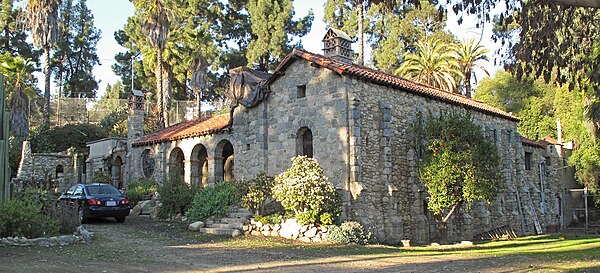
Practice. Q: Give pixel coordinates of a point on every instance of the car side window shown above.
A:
(78, 191)
(71, 190)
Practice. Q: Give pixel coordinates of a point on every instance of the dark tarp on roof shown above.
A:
(247, 87)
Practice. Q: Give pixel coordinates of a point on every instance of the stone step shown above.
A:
(228, 220)
(218, 231)
(240, 209)
(226, 225)
(245, 215)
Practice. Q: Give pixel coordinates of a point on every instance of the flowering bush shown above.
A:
(255, 192)
(303, 189)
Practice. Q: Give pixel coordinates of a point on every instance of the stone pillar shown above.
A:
(213, 166)
(135, 129)
(187, 172)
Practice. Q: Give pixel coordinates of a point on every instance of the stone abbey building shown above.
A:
(356, 122)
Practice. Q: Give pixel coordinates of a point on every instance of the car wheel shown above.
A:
(120, 219)
(82, 218)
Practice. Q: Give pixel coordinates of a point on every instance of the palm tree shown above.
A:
(41, 18)
(469, 54)
(155, 25)
(19, 85)
(433, 64)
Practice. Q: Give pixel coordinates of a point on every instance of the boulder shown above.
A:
(311, 233)
(195, 226)
(154, 213)
(136, 210)
(290, 229)
(147, 206)
(235, 233)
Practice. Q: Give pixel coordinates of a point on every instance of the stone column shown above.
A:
(214, 170)
(135, 129)
(187, 172)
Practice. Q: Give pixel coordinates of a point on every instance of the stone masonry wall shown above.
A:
(388, 197)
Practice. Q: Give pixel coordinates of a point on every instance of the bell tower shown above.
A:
(338, 46)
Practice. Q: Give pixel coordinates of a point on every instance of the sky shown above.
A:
(111, 15)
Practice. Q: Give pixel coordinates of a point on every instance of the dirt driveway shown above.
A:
(143, 245)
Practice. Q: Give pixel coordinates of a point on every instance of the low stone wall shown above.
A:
(290, 229)
(80, 236)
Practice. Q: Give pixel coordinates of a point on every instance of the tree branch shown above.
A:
(454, 208)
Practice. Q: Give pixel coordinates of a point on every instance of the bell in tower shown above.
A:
(338, 46)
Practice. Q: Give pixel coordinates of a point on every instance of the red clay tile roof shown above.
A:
(381, 78)
(186, 129)
(551, 140)
(533, 143)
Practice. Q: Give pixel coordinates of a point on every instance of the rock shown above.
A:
(235, 233)
(466, 243)
(84, 234)
(304, 239)
(316, 239)
(184, 219)
(154, 213)
(266, 228)
(276, 227)
(435, 244)
(246, 227)
(255, 233)
(195, 226)
(323, 228)
(136, 210)
(405, 243)
(311, 233)
(266, 233)
(258, 224)
(147, 206)
(66, 240)
(304, 228)
(290, 229)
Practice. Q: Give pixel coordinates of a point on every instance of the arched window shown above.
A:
(176, 163)
(148, 163)
(199, 171)
(225, 161)
(304, 142)
(59, 171)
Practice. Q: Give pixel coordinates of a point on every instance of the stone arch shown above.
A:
(176, 163)
(117, 172)
(224, 161)
(199, 166)
(148, 163)
(304, 142)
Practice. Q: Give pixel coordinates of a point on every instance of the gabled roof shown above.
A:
(538, 144)
(387, 80)
(551, 140)
(186, 129)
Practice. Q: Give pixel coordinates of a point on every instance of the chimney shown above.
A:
(135, 127)
(338, 46)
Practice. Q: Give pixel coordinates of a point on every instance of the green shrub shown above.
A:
(270, 219)
(348, 232)
(326, 218)
(139, 189)
(23, 218)
(214, 200)
(256, 191)
(67, 217)
(175, 196)
(304, 190)
(102, 177)
(59, 139)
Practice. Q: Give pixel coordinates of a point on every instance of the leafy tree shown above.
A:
(75, 54)
(59, 139)
(13, 38)
(460, 165)
(469, 54)
(273, 28)
(42, 21)
(433, 64)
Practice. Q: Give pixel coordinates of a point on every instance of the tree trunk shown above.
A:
(159, 92)
(167, 75)
(468, 85)
(47, 73)
(361, 45)
(442, 228)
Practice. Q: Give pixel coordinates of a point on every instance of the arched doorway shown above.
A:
(224, 161)
(199, 166)
(304, 142)
(176, 164)
(117, 172)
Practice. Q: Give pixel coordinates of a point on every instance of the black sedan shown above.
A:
(96, 201)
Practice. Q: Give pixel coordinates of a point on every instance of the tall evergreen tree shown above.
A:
(75, 54)
(273, 29)
(469, 55)
(12, 38)
(42, 21)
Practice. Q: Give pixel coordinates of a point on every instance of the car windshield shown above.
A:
(102, 190)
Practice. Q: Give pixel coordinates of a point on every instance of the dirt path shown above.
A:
(142, 245)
